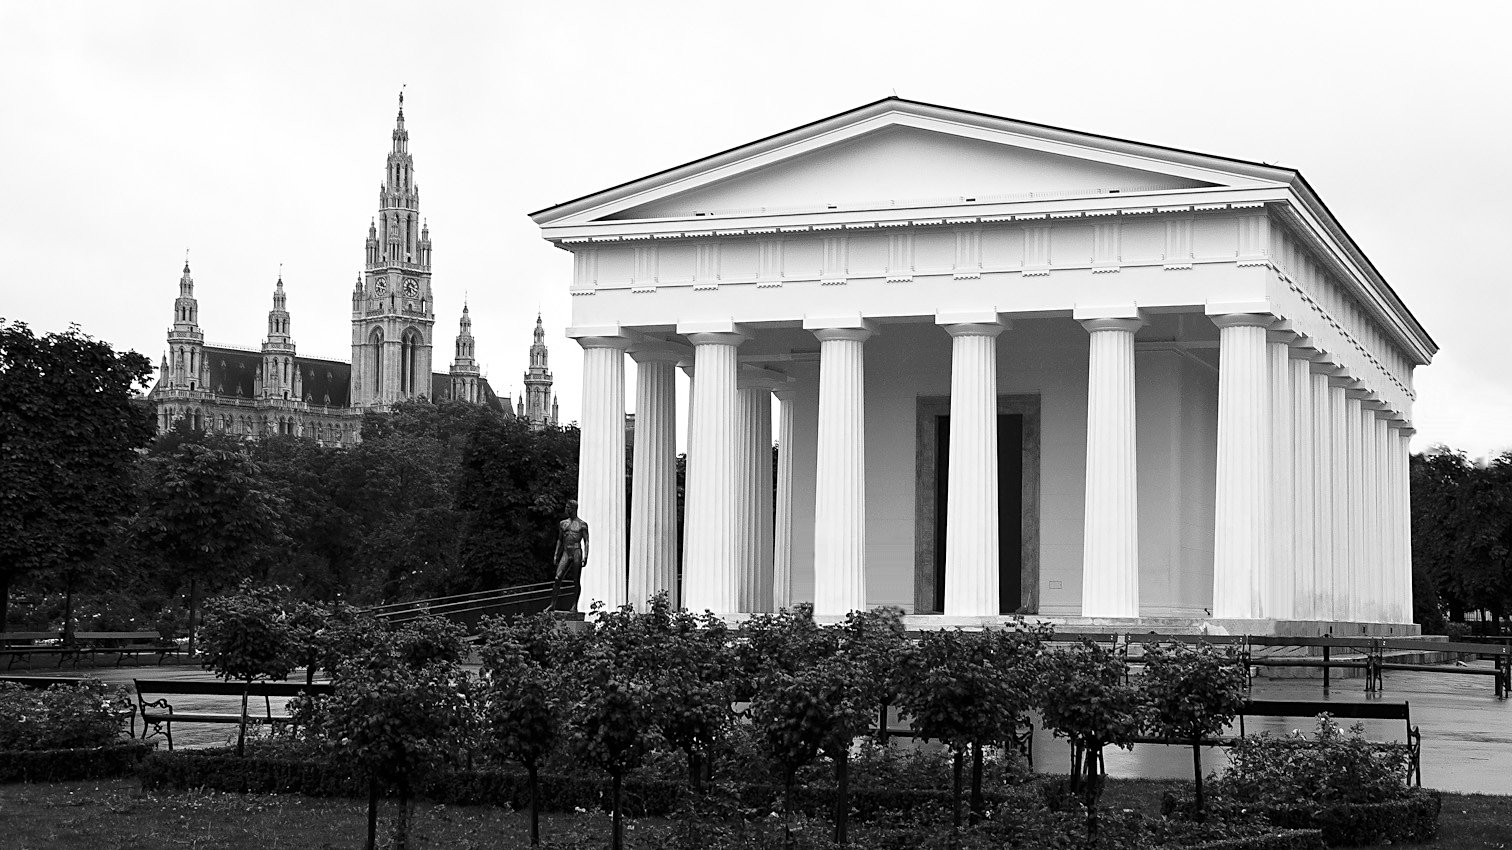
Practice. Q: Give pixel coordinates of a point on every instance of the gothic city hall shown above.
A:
(1016, 369)
(273, 390)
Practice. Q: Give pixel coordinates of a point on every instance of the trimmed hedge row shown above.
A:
(1286, 839)
(1410, 819)
(223, 771)
(63, 765)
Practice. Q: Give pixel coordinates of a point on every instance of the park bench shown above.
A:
(1500, 671)
(19, 645)
(160, 714)
(1373, 710)
(134, 644)
(1240, 641)
(1365, 648)
(126, 711)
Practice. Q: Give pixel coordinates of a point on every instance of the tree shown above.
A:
(960, 690)
(1084, 699)
(1192, 693)
(246, 636)
(207, 510)
(519, 719)
(609, 724)
(70, 427)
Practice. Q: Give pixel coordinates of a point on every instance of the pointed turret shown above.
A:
(185, 339)
(464, 368)
(537, 400)
(278, 349)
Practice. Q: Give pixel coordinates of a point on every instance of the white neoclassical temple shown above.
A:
(1017, 369)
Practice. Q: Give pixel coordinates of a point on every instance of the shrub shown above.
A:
(245, 636)
(1330, 768)
(1412, 818)
(1191, 693)
(119, 759)
(1084, 699)
(61, 717)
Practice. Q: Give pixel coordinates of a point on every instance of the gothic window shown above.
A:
(376, 339)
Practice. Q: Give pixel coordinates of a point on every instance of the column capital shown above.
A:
(973, 328)
(1243, 320)
(854, 334)
(852, 322)
(1083, 313)
(785, 394)
(1282, 332)
(1112, 324)
(971, 317)
(655, 355)
(695, 326)
(731, 339)
(618, 342)
(1304, 347)
(760, 379)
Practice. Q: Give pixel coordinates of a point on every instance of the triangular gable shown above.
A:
(895, 152)
(899, 165)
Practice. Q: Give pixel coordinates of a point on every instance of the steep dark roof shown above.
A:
(233, 372)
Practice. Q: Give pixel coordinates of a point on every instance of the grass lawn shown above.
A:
(110, 814)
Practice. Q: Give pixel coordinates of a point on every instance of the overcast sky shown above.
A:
(255, 135)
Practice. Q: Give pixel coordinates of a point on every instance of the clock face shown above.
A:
(411, 287)
(382, 284)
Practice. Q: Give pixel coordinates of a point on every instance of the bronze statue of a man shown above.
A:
(570, 557)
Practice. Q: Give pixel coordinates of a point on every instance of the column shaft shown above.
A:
(782, 539)
(840, 476)
(1110, 537)
(1279, 577)
(1323, 496)
(1242, 527)
(1341, 494)
(1404, 522)
(1354, 608)
(711, 577)
(755, 498)
(1303, 560)
(601, 470)
(653, 502)
(971, 524)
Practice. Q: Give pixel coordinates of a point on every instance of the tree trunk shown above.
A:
(976, 783)
(68, 600)
(1197, 777)
(955, 804)
(695, 772)
(618, 840)
(4, 599)
(401, 822)
(787, 809)
(372, 838)
(241, 728)
(842, 795)
(535, 806)
(882, 725)
(1090, 788)
(193, 611)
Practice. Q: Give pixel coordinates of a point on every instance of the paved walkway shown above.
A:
(1467, 732)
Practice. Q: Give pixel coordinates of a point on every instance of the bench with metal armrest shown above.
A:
(160, 713)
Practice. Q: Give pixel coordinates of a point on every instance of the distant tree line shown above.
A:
(105, 523)
(1461, 539)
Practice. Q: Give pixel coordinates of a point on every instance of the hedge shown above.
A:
(62, 765)
(221, 770)
(1286, 839)
(1412, 818)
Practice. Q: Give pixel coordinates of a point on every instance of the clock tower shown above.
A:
(393, 313)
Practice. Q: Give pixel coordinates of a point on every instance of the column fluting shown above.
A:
(601, 470)
(1242, 509)
(711, 576)
(1324, 524)
(653, 483)
(755, 497)
(1278, 578)
(782, 536)
(840, 475)
(1304, 565)
(1110, 548)
(971, 524)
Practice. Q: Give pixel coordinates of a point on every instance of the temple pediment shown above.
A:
(898, 154)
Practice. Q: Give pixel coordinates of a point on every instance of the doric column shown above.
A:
(653, 502)
(1242, 525)
(711, 577)
(1110, 536)
(1354, 471)
(1379, 578)
(601, 469)
(782, 539)
(971, 524)
(754, 408)
(1304, 565)
(1342, 492)
(1322, 490)
(1403, 441)
(840, 474)
(1279, 579)
(686, 365)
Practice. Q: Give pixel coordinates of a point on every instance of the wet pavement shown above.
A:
(1467, 731)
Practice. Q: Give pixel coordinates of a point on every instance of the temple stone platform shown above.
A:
(1169, 625)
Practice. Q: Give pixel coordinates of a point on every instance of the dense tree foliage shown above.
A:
(70, 426)
(1461, 537)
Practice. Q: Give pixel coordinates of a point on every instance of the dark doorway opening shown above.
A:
(1010, 451)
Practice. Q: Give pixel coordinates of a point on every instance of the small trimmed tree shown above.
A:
(609, 724)
(1191, 693)
(793, 713)
(245, 636)
(519, 720)
(1086, 701)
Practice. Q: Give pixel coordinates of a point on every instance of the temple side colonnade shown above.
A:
(1181, 393)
